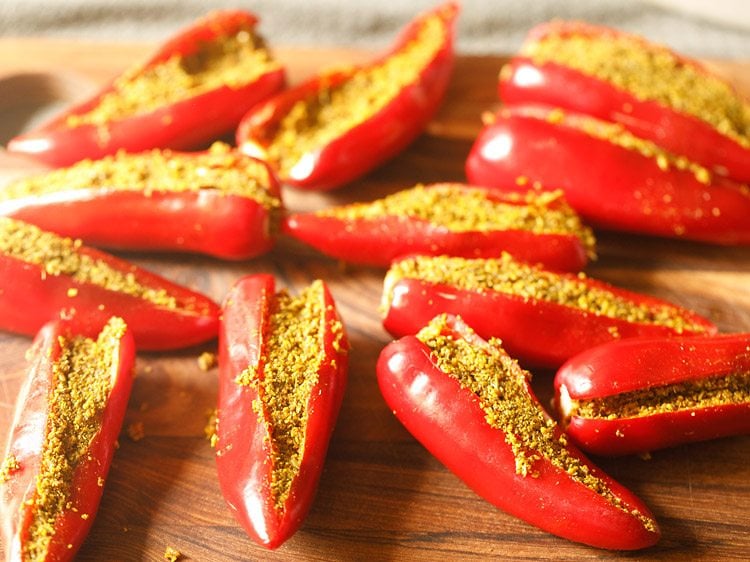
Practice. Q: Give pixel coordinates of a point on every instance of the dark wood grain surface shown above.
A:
(382, 496)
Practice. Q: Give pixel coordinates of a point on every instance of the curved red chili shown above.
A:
(44, 276)
(220, 203)
(543, 318)
(638, 395)
(282, 375)
(67, 420)
(215, 71)
(472, 407)
(452, 219)
(339, 125)
(655, 93)
(612, 178)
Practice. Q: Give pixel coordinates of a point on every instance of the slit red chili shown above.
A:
(453, 219)
(653, 92)
(612, 178)
(220, 202)
(45, 276)
(195, 88)
(639, 395)
(62, 440)
(543, 318)
(338, 125)
(472, 407)
(282, 374)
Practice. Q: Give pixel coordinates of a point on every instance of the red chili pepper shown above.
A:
(339, 125)
(653, 92)
(612, 178)
(62, 440)
(282, 373)
(219, 203)
(454, 219)
(542, 317)
(43, 276)
(471, 406)
(196, 87)
(639, 395)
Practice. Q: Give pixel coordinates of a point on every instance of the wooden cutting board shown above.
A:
(382, 495)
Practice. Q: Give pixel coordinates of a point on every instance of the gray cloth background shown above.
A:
(485, 27)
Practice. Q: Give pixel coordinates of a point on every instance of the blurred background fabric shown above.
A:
(713, 29)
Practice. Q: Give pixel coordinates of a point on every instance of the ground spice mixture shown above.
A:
(57, 255)
(157, 171)
(82, 379)
(230, 60)
(502, 388)
(508, 276)
(288, 372)
(696, 394)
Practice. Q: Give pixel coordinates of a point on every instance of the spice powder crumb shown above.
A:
(207, 361)
(172, 554)
(136, 431)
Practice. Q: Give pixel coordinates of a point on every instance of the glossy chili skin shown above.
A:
(524, 81)
(30, 298)
(644, 363)
(378, 241)
(611, 187)
(537, 332)
(26, 442)
(180, 125)
(371, 142)
(243, 452)
(204, 221)
(449, 421)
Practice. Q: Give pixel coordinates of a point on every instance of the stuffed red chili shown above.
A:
(62, 440)
(454, 219)
(655, 93)
(220, 202)
(282, 374)
(612, 178)
(195, 88)
(639, 395)
(338, 125)
(472, 407)
(543, 318)
(45, 276)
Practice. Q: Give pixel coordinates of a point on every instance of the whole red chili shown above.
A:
(543, 318)
(44, 276)
(340, 124)
(453, 219)
(471, 406)
(653, 92)
(62, 439)
(220, 202)
(612, 178)
(282, 373)
(195, 88)
(638, 395)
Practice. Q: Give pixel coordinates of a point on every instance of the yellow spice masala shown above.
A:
(649, 72)
(229, 60)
